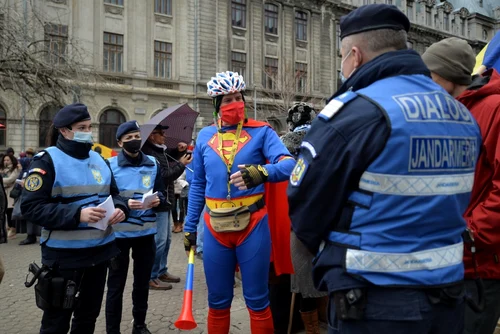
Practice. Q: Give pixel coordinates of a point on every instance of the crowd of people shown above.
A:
(385, 203)
(13, 172)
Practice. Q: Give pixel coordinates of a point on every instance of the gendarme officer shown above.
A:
(385, 174)
(136, 174)
(65, 184)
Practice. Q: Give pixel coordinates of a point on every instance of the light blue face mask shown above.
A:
(83, 137)
(342, 77)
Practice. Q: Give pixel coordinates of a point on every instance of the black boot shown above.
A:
(30, 239)
(140, 329)
(3, 234)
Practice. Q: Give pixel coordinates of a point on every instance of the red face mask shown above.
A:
(233, 113)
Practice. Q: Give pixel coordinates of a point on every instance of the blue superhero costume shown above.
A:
(250, 248)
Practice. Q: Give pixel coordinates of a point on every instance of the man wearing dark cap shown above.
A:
(136, 174)
(172, 162)
(10, 151)
(451, 62)
(64, 187)
(385, 173)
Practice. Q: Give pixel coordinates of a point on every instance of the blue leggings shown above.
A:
(253, 256)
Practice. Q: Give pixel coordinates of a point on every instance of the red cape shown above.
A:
(280, 226)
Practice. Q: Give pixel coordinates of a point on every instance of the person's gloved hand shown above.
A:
(189, 241)
(249, 176)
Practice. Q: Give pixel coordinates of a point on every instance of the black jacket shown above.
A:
(170, 170)
(41, 209)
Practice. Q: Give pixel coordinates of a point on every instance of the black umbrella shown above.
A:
(178, 120)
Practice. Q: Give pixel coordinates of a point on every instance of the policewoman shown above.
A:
(382, 180)
(65, 184)
(136, 174)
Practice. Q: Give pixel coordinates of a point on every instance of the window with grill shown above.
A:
(163, 7)
(446, 19)
(56, 43)
(428, 16)
(301, 77)
(109, 122)
(271, 19)
(270, 73)
(114, 2)
(113, 53)
(301, 26)
(409, 10)
(46, 116)
(238, 13)
(163, 60)
(239, 63)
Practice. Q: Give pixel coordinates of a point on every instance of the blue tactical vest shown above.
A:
(134, 182)
(82, 182)
(407, 224)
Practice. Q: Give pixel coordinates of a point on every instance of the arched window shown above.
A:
(46, 116)
(108, 124)
(155, 113)
(275, 124)
(3, 127)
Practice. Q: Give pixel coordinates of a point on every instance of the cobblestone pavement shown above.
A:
(19, 314)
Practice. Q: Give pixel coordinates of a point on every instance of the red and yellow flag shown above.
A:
(106, 152)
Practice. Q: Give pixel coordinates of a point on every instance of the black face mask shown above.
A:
(132, 146)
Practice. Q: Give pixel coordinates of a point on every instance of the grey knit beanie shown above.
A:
(452, 59)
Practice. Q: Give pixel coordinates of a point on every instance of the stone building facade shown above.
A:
(158, 53)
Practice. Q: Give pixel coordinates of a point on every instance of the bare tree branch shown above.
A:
(283, 89)
(39, 60)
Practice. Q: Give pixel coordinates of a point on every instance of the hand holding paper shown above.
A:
(149, 199)
(117, 217)
(106, 208)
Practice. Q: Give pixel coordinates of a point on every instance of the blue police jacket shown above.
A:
(407, 225)
(89, 180)
(134, 181)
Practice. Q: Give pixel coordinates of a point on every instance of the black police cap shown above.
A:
(70, 114)
(127, 127)
(373, 17)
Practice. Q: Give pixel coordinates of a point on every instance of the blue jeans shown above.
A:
(199, 234)
(162, 238)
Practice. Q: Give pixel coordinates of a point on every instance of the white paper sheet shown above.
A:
(148, 198)
(109, 206)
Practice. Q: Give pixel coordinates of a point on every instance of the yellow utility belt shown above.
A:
(233, 203)
(232, 218)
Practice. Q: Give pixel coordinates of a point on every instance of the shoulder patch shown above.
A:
(37, 170)
(336, 104)
(298, 172)
(33, 182)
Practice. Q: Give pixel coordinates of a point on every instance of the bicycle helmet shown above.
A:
(225, 83)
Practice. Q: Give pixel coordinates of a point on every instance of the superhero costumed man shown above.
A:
(229, 173)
